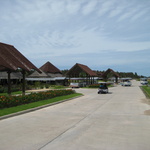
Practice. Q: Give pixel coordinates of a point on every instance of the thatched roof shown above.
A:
(14, 75)
(36, 74)
(11, 59)
(78, 68)
(110, 71)
(49, 68)
(54, 75)
(48, 71)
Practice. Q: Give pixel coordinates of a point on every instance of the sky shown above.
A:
(101, 34)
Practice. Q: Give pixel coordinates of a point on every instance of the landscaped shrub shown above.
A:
(5, 89)
(94, 85)
(6, 101)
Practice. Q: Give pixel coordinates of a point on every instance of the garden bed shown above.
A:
(11, 101)
(21, 109)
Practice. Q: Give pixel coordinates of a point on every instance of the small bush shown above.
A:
(14, 88)
(94, 85)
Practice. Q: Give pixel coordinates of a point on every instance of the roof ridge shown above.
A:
(48, 67)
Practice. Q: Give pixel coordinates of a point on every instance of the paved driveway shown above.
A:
(114, 121)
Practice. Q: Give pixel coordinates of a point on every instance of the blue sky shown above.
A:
(101, 34)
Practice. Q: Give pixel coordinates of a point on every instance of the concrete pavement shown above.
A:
(114, 121)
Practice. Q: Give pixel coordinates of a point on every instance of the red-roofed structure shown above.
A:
(49, 68)
(11, 60)
(80, 70)
(48, 71)
(108, 71)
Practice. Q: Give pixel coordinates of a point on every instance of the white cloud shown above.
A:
(116, 11)
(89, 7)
(133, 12)
(105, 7)
(73, 7)
(140, 14)
(57, 7)
(51, 29)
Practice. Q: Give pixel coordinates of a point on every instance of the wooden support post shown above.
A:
(89, 80)
(116, 79)
(23, 82)
(9, 83)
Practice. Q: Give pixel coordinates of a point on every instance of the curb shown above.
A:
(36, 108)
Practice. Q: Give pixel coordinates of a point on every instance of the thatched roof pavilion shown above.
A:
(108, 71)
(49, 68)
(79, 69)
(48, 71)
(12, 60)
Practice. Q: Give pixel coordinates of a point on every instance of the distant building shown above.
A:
(49, 73)
(82, 73)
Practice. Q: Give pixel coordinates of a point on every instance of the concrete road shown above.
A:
(114, 121)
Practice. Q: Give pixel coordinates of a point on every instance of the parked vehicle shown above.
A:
(103, 89)
(77, 85)
(126, 83)
(144, 81)
(74, 85)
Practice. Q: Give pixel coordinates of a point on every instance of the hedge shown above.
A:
(94, 85)
(10, 101)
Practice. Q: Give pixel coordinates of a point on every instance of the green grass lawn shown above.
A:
(146, 90)
(11, 110)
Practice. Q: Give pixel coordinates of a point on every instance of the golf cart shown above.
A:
(103, 89)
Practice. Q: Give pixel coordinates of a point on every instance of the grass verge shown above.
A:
(146, 90)
(7, 111)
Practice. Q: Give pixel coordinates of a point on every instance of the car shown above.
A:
(144, 81)
(74, 85)
(126, 83)
(103, 89)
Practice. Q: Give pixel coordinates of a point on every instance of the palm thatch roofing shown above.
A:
(109, 71)
(14, 75)
(78, 68)
(36, 74)
(49, 68)
(12, 59)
